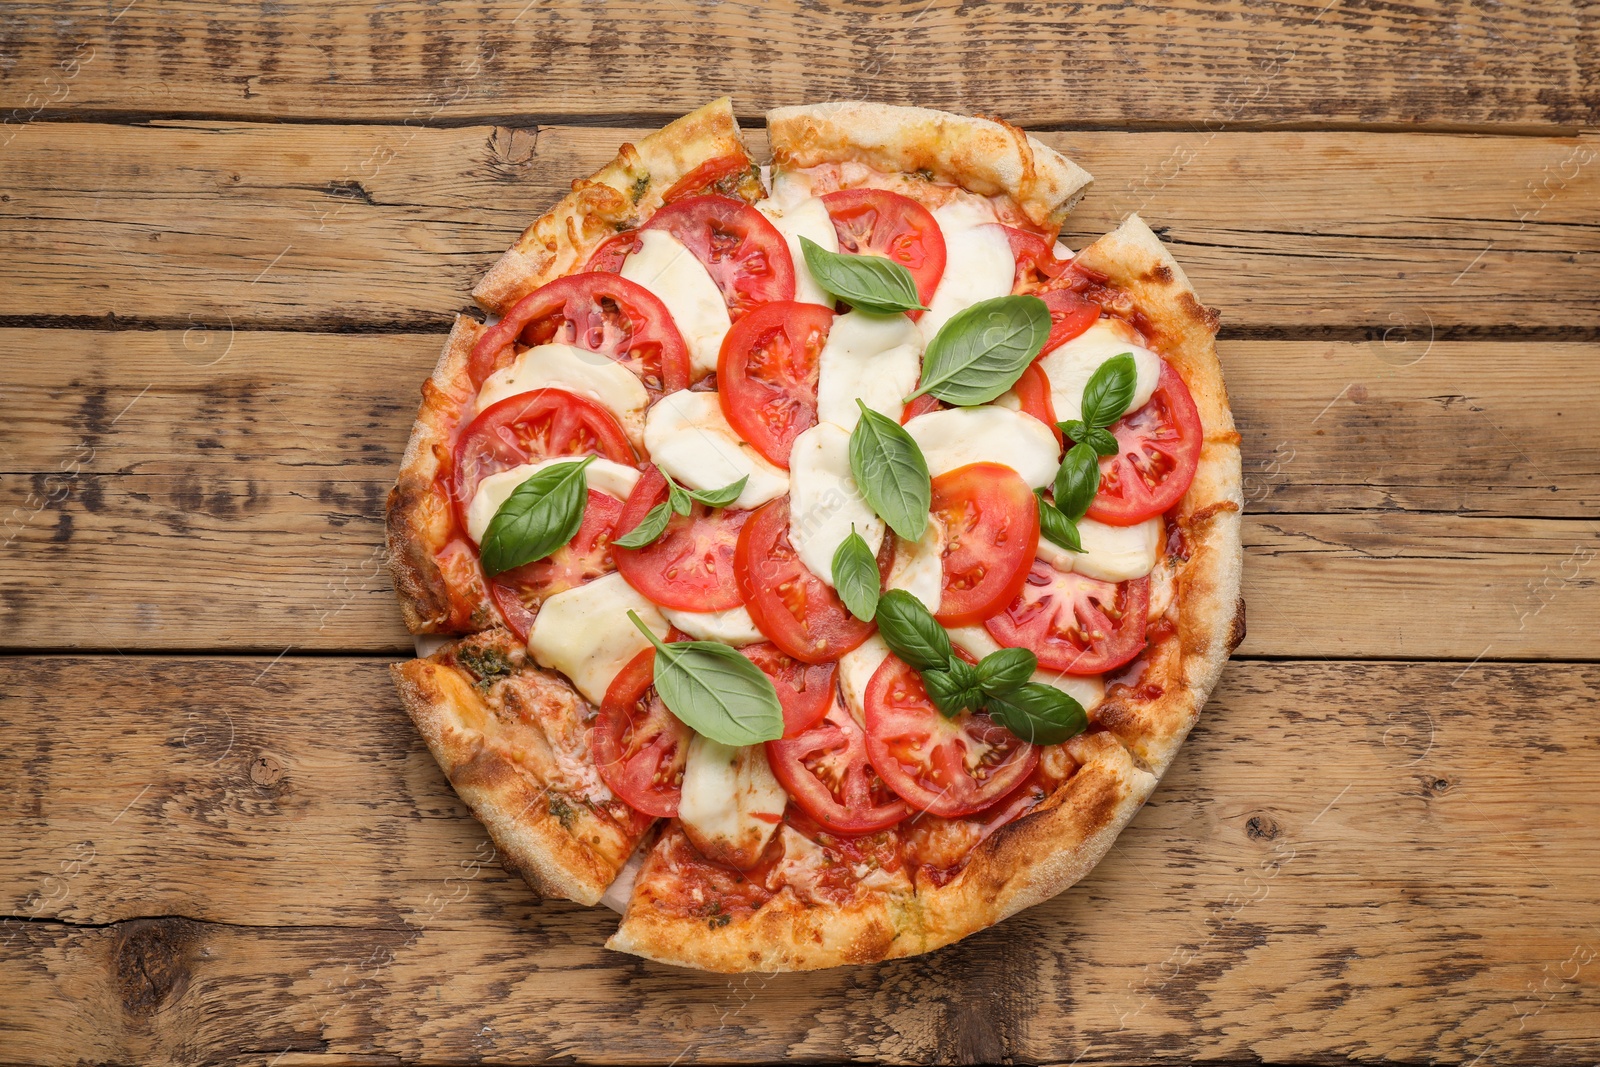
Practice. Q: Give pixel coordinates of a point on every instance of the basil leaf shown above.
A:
(865, 282)
(981, 352)
(1005, 669)
(1110, 390)
(650, 527)
(1104, 442)
(1038, 713)
(1074, 429)
(715, 498)
(912, 633)
(856, 577)
(540, 515)
(676, 497)
(715, 690)
(890, 473)
(1056, 527)
(954, 690)
(1077, 481)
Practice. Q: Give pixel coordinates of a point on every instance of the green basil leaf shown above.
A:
(981, 352)
(1074, 429)
(1005, 669)
(1110, 390)
(1077, 481)
(1038, 713)
(865, 282)
(715, 690)
(650, 527)
(954, 690)
(890, 473)
(912, 633)
(677, 499)
(856, 577)
(716, 498)
(541, 515)
(1104, 442)
(1056, 527)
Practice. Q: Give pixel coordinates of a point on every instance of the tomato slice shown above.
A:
(690, 566)
(804, 689)
(527, 428)
(714, 175)
(519, 592)
(827, 772)
(767, 374)
(797, 611)
(991, 535)
(1033, 392)
(608, 254)
(639, 746)
(1157, 454)
(1070, 315)
(745, 254)
(881, 223)
(1035, 258)
(921, 406)
(949, 767)
(605, 313)
(1075, 624)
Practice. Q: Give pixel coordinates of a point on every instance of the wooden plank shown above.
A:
(1433, 63)
(1398, 237)
(1373, 861)
(240, 504)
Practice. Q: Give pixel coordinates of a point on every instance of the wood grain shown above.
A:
(1366, 860)
(1402, 239)
(1439, 63)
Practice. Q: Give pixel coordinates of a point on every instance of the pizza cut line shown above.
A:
(868, 358)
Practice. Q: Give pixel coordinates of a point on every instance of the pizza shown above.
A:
(829, 561)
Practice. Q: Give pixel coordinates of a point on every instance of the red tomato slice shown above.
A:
(949, 767)
(639, 746)
(714, 175)
(991, 535)
(527, 428)
(604, 313)
(608, 254)
(690, 566)
(519, 592)
(1158, 451)
(827, 772)
(878, 222)
(767, 374)
(746, 255)
(795, 609)
(1070, 315)
(1075, 624)
(804, 689)
(1035, 258)
(920, 406)
(1033, 391)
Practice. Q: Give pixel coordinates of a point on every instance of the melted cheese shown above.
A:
(577, 370)
(667, 268)
(585, 633)
(689, 438)
(856, 669)
(958, 436)
(977, 643)
(1069, 366)
(805, 217)
(732, 804)
(1110, 553)
(978, 261)
(919, 566)
(732, 627)
(874, 358)
(824, 501)
(603, 475)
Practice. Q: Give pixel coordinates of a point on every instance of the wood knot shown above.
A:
(1437, 786)
(1261, 828)
(266, 771)
(151, 963)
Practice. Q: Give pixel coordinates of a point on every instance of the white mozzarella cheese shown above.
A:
(824, 501)
(919, 566)
(1110, 553)
(585, 633)
(732, 804)
(956, 437)
(976, 642)
(978, 261)
(732, 627)
(687, 436)
(603, 475)
(806, 217)
(1069, 366)
(663, 265)
(576, 370)
(874, 358)
(856, 669)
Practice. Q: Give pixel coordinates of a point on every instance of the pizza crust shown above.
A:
(981, 155)
(614, 198)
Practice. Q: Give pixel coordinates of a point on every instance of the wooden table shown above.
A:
(232, 237)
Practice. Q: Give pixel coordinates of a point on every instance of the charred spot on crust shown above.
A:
(1161, 273)
(1208, 318)
(1236, 631)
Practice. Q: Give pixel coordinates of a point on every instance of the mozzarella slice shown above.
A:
(1069, 366)
(824, 501)
(613, 479)
(687, 436)
(976, 642)
(732, 627)
(732, 804)
(585, 633)
(919, 566)
(958, 436)
(576, 370)
(978, 261)
(806, 217)
(663, 265)
(874, 358)
(856, 669)
(1110, 553)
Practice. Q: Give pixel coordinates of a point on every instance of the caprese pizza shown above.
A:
(835, 560)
